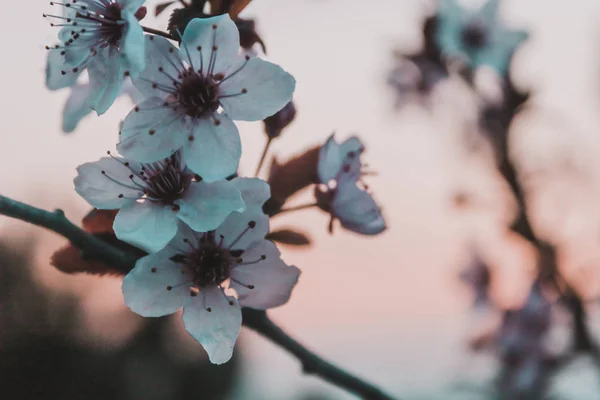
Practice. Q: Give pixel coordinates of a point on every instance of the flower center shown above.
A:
(165, 180)
(474, 35)
(197, 94)
(106, 21)
(210, 265)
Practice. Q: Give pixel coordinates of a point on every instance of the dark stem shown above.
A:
(57, 222)
(311, 363)
(255, 320)
(263, 156)
(295, 208)
(158, 32)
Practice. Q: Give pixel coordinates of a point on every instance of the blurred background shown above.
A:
(390, 308)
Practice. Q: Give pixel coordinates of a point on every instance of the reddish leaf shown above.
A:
(217, 7)
(294, 175)
(99, 221)
(69, 260)
(237, 7)
(288, 236)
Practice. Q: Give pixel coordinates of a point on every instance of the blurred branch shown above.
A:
(253, 319)
(311, 364)
(583, 340)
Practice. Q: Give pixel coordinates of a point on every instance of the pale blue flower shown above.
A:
(476, 38)
(102, 36)
(196, 268)
(194, 93)
(340, 170)
(152, 198)
(76, 108)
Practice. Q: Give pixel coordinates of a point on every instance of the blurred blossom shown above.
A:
(340, 171)
(521, 343)
(477, 275)
(476, 38)
(104, 38)
(196, 268)
(414, 78)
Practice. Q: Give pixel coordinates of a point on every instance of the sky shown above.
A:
(389, 308)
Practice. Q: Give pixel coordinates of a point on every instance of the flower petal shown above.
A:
(271, 280)
(205, 205)
(207, 33)
(147, 225)
(242, 229)
(151, 131)
(351, 147)
(356, 210)
(55, 79)
(489, 12)
(162, 65)
(214, 320)
(498, 54)
(255, 191)
(330, 160)
(258, 91)
(146, 288)
(106, 79)
(102, 182)
(448, 34)
(133, 45)
(76, 107)
(214, 151)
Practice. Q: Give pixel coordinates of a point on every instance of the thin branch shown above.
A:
(56, 221)
(263, 156)
(582, 338)
(311, 363)
(158, 32)
(253, 319)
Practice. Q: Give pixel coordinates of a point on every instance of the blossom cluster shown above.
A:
(174, 182)
(173, 186)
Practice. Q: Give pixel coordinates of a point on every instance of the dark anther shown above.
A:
(252, 224)
(153, 270)
(236, 253)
